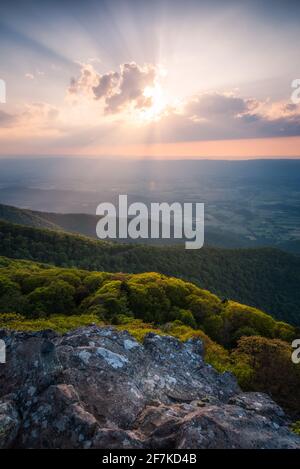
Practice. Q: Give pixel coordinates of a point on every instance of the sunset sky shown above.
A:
(165, 79)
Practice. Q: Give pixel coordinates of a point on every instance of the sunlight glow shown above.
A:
(158, 105)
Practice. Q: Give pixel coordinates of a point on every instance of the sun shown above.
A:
(157, 97)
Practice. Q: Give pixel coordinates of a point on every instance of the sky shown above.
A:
(165, 79)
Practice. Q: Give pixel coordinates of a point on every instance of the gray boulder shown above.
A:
(100, 388)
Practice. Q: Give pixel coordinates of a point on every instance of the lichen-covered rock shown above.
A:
(9, 424)
(100, 388)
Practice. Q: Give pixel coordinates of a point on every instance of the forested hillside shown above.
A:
(79, 223)
(265, 278)
(85, 224)
(236, 337)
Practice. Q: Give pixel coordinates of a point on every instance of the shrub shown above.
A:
(58, 323)
(295, 427)
(58, 298)
(273, 370)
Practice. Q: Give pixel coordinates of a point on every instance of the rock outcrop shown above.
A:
(100, 388)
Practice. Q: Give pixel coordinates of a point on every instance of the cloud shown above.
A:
(40, 112)
(214, 104)
(211, 115)
(85, 82)
(133, 80)
(274, 119)
(99, 106)
(218, 116)
(119, 90)
(106, 86)
(31, 76)
(6, 119)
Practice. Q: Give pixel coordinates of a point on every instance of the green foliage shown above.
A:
(237, 338)
(284, 331)
(296, 427)
(60, 324)
(214, 353)
(272, 369)
(58, 298)
(37, 290)
(94, 280)
(137, 328)
(239, 318)
(264, 278)
(147, 299)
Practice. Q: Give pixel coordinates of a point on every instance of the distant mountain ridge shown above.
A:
(78, 223)
(85, 224)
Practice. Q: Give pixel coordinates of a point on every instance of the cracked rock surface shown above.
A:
(99, 388)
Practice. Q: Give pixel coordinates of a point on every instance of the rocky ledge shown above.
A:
(100, 388)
